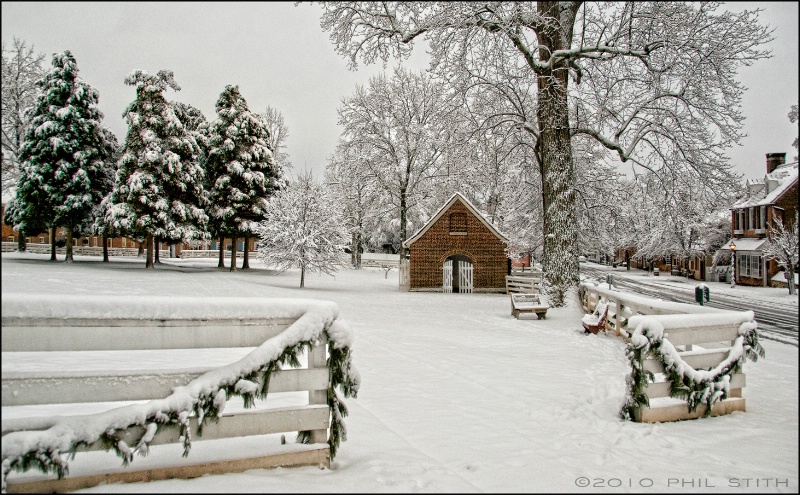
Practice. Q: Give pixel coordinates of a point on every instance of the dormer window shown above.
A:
(458, 224)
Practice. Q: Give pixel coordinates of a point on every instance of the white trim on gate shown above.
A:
(447, 277)
(465, 271)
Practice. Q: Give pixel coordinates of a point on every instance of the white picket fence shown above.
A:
(702, 341)
(157, 327)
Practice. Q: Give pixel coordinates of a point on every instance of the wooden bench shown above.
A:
(166, 330)
(528, 303)
(593, 322)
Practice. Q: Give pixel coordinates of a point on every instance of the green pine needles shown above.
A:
(696, 387)
(209, 406)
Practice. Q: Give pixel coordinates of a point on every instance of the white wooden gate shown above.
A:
(447, 277)
(465, 277)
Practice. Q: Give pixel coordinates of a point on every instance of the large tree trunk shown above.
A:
(105, 249)
(403, 204)
(141, 248)
(68, 250)
(156, 249)
(221, 263)
(52, 244)
(233, 254)
(246, 254)
(556, 165)
(302, 276)
(22, 243)
(149, 241)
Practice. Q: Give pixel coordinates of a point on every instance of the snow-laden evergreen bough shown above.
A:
(204, 398)
(65, 154)
(695, 386)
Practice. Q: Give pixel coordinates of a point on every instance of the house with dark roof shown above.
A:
(753, 217)
(457, 250)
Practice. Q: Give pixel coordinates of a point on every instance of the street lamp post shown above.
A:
(732, 247)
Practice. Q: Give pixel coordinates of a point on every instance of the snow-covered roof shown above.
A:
(744, 244)
(776, 184)
(447, 204)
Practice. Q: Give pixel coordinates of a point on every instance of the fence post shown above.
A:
(317, 359)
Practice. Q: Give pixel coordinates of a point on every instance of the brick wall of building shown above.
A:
(480, 245)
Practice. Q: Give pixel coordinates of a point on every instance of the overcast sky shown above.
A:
(279, 56)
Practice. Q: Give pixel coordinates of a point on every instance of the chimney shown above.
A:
(775, 160)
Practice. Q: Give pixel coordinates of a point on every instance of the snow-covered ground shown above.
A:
(458, 396)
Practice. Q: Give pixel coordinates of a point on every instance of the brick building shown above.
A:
(460, 235)
(752, 219)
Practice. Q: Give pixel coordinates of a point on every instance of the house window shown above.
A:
(41, 240)
(11, 238)
(124, 242)
(458, 223)
(668, 259)
(739, 220)
(748, 265)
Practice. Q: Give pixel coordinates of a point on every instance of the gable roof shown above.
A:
(776, 183)
(446, 206)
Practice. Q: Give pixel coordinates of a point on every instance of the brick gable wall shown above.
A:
(480, 245)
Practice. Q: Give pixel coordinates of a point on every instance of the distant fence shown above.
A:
(704, 349)
(213, 253)
(36, 248)
(527, 283)
(180, 400)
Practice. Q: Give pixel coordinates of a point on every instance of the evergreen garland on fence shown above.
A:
(210, 406)
(682, 384)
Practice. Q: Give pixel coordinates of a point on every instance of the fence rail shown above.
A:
(79, 250)
(67, 324)
(529, 284)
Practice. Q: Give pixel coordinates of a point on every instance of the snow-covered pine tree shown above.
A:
(303, 230)
(105, 185)
(158, 191)
(242, 173)
(65, 152)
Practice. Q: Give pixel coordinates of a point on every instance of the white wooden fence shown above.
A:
(68, 324)
(524, 284)
(214, 253)
(702, 341)
(79, 250)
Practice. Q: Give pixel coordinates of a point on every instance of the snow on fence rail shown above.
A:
(686, 360)
(283, 333)
(380, 260)
(527, 284)
(213, 253)
(79, 250)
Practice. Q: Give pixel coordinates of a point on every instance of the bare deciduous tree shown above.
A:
(653, 80)
(22, 67)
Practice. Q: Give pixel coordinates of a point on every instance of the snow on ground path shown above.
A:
(458, 396)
